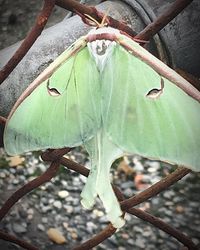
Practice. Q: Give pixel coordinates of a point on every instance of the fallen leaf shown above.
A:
(125, 169)
(74, 235)
(15, 161)
(139, 183)
(56, 236)
(180, 209)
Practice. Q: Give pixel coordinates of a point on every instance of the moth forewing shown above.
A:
(72, 50)
(161, 68)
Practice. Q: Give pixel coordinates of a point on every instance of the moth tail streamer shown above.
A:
(102, 153)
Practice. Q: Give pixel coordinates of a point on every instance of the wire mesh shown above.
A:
(56, 156)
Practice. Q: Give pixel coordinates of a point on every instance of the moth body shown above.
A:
(101, 49)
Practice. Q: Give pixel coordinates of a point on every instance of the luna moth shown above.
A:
(112, 96)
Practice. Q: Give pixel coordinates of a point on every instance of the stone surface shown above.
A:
(19, 228)
(63, 194)
(41, 227)
(57, 204)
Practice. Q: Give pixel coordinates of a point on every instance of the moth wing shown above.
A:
(62, 111)
(165, 128)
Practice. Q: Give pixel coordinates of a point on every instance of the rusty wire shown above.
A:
(127, 205)
(19, 242)
(35, 32)
(2, 120)
(56, 156)
(163, 20)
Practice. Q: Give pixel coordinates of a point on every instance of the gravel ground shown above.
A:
(48, 207)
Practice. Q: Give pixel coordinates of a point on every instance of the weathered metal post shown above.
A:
(180, 37)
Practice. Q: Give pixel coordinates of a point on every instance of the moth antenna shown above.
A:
(104, 19)
(93, 20)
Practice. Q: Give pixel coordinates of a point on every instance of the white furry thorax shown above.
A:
(101, 50)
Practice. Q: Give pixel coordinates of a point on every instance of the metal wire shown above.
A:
(56, 156)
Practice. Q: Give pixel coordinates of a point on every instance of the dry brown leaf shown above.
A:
(125, 169)
(139, 184)
(15, 160)
(56, 236)
(180, 209)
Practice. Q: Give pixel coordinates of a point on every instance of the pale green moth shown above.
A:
(110, 95)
